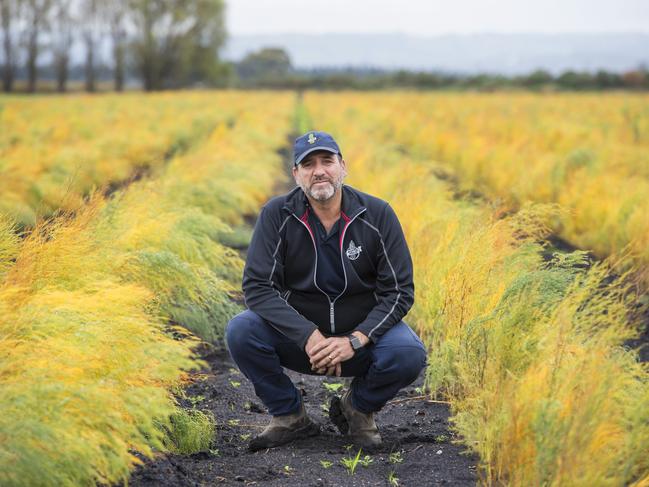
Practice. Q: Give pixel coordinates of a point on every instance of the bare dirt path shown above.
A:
(418, 451)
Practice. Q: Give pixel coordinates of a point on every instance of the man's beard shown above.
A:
(324, 192)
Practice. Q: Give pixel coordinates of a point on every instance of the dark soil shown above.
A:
(415, 431)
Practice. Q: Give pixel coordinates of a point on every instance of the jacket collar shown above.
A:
(297, 203)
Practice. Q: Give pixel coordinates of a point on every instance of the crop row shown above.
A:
(54, 151)
(527, 345)
(95, 305)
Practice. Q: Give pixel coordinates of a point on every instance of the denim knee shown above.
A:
(238, 331)
(412, 363)
(405, 363)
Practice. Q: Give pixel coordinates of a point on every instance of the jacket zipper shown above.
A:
(332, 321)
(342, 241)
(315, 271)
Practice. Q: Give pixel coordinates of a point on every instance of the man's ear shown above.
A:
(294, 171)
(344, 165)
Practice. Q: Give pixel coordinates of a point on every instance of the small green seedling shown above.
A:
(324, 407)
(395, 457)
(419, 390)
(235, 383)
(366, 461)
(332, 387)
(287, 469)
(194, 400)
(393, 480)
(351, 463)
(347, 447)
(215, 452)
(245, 437)
(233, 422)
(233, 371)
(441, 439)
(326, 463)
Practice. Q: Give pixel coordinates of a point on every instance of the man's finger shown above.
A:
(319, 366)
(327, 359)
(318, 346)
(323, 364)
(336, 350)
(339, 369)
(322, 354)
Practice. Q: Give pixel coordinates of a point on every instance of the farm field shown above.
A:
(53, 153)
(120, 267)
(588, 153)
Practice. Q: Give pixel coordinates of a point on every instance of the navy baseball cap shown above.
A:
(311, 142)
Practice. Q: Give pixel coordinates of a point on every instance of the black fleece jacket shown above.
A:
(279, 277)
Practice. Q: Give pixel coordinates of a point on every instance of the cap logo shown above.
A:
(312, 138)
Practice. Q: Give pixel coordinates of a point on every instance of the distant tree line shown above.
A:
(170, 44)
(164, 43)
(272, 68)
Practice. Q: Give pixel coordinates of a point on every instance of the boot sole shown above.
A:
(312, 429)
(337, 416)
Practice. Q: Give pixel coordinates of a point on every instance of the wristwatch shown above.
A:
(355, 341)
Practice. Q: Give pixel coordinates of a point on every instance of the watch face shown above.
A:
(356, 342)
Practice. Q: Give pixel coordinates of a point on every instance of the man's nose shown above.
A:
(318, 169)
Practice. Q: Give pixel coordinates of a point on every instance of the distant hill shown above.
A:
(507, 54)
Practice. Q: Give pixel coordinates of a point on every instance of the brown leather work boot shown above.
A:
(359, 426)
(284, 429)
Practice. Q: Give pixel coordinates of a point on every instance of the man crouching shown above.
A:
(327, 282)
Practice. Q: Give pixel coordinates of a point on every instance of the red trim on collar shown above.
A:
(342, 233)
(305, 219)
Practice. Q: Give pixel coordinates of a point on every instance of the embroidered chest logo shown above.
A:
(352, 251)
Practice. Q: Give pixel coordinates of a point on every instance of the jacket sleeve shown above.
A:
(263, 279)
(395, 288)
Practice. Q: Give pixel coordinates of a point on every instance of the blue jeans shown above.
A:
(380, 370)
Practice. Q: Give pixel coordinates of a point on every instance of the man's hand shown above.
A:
(315, 339)
(327, 355)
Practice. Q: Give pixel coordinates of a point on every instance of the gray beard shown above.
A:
(323, 194)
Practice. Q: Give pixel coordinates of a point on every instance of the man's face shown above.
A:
(320, 175)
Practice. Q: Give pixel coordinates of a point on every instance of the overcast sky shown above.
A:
(433, 17)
